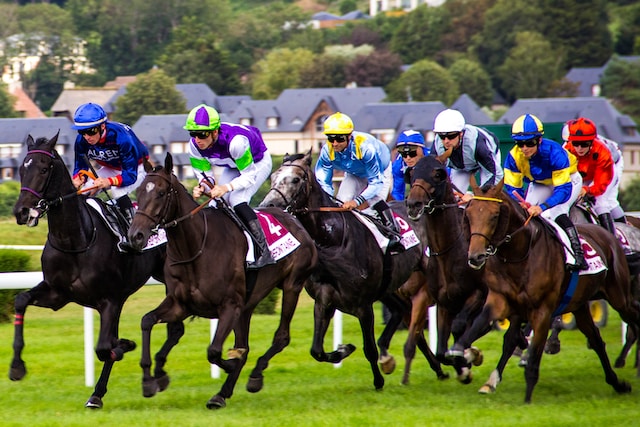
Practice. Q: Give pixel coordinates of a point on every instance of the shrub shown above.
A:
(10, 260)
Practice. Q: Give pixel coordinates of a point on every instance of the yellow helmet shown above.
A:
(338, 124)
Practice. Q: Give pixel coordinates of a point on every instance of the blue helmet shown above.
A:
(410, 137)
(88, 116)
(526, 127)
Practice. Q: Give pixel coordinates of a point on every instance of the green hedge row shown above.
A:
(10, 260)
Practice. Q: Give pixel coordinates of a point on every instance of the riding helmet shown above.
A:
(338, 124)
(526, 127)
(449, 121)
(582, 129)
(88, 115)
(202, 117)
(410, 137)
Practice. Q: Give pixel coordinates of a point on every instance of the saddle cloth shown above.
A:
(280, 240)
(408, 236)
(154, 240)
(594, 261)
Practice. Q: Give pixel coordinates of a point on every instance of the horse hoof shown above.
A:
(255, 384)
(149, 387)
(387, 364)
(126, 345)
(552, 347)
(18, 372)
(163, 382)
(474, 356)
(623, 387)
(487, 389)
(94, 402)
(452, 355)
(216, 402)
(345, 350)
(443, 376)
(465, 376)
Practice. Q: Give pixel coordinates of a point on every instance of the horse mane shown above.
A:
(292, 157)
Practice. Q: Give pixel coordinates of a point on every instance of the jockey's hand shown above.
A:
(589, 199)
(525, 205)
(102, 183)
(197, 191)
(465, 198)
(78, 182)
(534, 210)
(351, 205)
(218, 191)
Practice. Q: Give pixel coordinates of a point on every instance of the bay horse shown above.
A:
(524, 268)
(353, 271)
(206, 276)
(80, 260)
(458, 290)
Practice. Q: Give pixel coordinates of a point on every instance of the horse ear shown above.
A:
(53, 141)
(146, 164)
(30, 142)
(307, 157)
(168, 163)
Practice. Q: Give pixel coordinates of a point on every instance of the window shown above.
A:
(158, 149)
(7, 173)
(9, 151)
(179, 147)
(272, 122)
(246, 121)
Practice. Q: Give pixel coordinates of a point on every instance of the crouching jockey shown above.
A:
(245, 165)
(121, 156)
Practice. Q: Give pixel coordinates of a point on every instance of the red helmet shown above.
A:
(582, 129)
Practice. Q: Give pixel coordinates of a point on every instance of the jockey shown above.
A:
(473, 149)
(245, 164)
(600, 171)
(365, 161)
(554, 182)
(119, 153)
(411, 148)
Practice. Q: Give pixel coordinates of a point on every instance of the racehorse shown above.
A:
(80, 260)
(206, 276)
(458, 290)
(525, 272)
(353, 272)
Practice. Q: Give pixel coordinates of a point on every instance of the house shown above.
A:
(328, 20)
(70, 99)
(387, 6)
(589, 78)
(24, 105)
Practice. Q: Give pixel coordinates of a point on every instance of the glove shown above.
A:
(589, 199)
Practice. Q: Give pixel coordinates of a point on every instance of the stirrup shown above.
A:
(263, 260)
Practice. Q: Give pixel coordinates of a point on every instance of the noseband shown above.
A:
(305, 189)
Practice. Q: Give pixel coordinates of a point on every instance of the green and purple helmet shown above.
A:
(203, 118)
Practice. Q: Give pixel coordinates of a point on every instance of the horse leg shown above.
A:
(396, 307)
(236, 361)
(45, 297)
(513, 337)
(553, 342)
(175, 331)
(630, 339)
(585, 323)
(170, 311)
(541, 326)
(370, 349)
(281, 338)
(322, 315)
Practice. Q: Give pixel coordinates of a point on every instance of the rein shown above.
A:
(492, 249)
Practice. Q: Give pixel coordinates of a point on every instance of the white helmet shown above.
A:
(448, 121)
(565, 132)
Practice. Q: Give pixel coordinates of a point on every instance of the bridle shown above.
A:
(43, 205)
(161, 221)
(492, 248)
(304, 189)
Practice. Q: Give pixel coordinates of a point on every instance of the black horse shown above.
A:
(206, 277)
(80, 261)
(354, 272)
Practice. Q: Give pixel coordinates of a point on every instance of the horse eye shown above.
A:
(295, 180)
(44, 170)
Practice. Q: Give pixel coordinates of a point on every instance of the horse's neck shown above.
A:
(70, 223)
(187, 236)
(444, 226)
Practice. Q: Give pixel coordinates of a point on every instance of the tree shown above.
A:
(7, 101)
(183, 57)
(376, 69)
(419, 34)
(627, 33)
(151, 93)
(621, 84)
(423, 81)
(473, 80)
(324, 71)
(467, 19)
(530, 67)
(630, 196)
(279, 70)
(45, 82)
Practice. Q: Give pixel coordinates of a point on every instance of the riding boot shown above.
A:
(124, 218)
(576, 247)
(622, 219)
(248, 216)
(607, 222)
(393, 234)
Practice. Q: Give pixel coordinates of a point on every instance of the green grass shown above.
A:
(13, 234)
(298, 390)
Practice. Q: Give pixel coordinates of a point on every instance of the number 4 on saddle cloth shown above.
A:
(408, 236)
(280, 241)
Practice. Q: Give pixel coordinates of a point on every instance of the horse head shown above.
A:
(157, 202)
(487, 219)
(429, 185)
(37, 173)
(291, 184)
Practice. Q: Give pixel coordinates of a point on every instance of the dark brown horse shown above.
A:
(458, 290)
(80, 260)
(524, 266)
(206, 277)
(354, 272)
